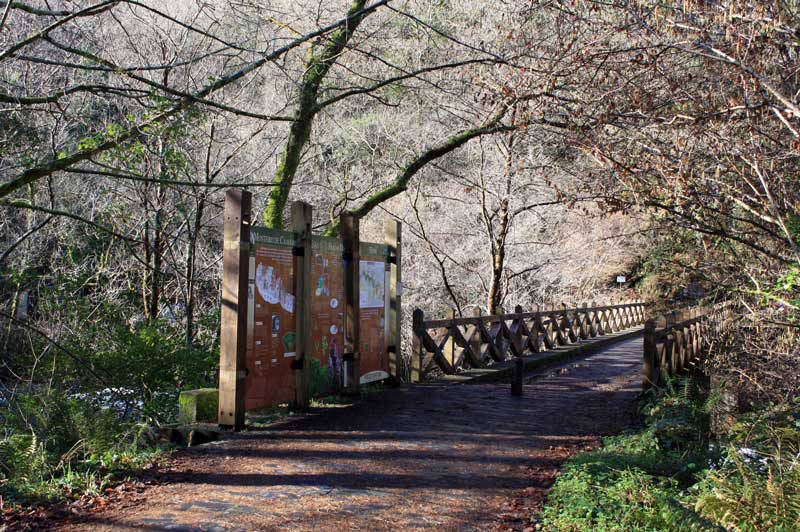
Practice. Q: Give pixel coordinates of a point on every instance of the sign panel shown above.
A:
(327, 316)
(271, 316)
(373, 301)
(271, 319)
(373, 376)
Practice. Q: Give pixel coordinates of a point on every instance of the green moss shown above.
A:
(638, 481)
(196, 406)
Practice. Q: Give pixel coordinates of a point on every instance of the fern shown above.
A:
(6, 457)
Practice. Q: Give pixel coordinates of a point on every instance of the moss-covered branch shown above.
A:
(52, 166)
(318, 63)
(401, 181)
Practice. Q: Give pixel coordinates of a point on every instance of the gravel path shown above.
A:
(428, 457)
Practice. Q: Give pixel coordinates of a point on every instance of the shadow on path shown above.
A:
(419, 458)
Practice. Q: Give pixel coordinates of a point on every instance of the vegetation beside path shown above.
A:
(677, 474)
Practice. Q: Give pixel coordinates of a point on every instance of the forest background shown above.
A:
(534, 150)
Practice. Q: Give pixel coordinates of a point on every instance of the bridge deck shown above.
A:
(429, 457)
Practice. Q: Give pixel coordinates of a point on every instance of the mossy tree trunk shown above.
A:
(321, 57)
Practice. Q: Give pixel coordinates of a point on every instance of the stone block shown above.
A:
(198, 406)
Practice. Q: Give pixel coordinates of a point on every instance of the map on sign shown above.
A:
(372, 285)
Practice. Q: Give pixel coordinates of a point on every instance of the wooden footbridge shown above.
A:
(484, 348)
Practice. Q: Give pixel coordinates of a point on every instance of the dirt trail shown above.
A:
(424, 458)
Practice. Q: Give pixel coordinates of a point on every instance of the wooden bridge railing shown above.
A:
(477, 342)
(676, 343)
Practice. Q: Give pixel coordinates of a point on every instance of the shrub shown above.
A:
(757, 486)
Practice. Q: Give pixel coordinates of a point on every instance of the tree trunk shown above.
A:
(191, 254)
(495, 296)
(317, 67)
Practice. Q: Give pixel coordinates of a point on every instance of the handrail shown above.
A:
(455, 344)
(676, 343)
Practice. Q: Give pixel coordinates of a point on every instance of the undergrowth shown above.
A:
(670, 475)
(58, 448)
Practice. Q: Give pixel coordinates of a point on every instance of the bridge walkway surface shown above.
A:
(427, 457)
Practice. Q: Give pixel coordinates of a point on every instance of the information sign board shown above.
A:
(373, 302)
(271, 319)
(327, 316)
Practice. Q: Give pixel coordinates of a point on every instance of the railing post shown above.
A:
(534, 331)
(475, 342)
(518, 321)
(547, 341)
(613, 317)
(669, 353)
(650, 370)
(571, 336)
(450, 345)
(417, 349)
(583, 331)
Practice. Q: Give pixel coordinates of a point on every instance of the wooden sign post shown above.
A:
(272, 349)
(303, 253)
(348, 232)
(394, 314)
(233, 333)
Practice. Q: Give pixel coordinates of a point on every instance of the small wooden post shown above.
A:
(348, 232)
(516, 382)
(547, 330)
(233, 326)
(417, 349)
(602, 323)
(625, 315)
(394, 316)
(301, 225)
